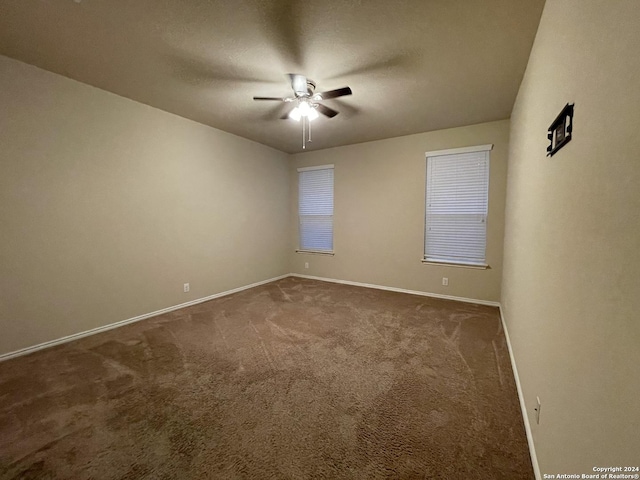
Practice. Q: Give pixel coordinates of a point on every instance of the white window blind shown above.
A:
(456, 207)
(315, 208)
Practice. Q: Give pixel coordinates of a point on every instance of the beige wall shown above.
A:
(571, 286)
(379, 213)
(108, 206)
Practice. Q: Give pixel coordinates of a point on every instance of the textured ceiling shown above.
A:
(413, 66)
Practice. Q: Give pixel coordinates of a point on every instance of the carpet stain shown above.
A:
(290, 380)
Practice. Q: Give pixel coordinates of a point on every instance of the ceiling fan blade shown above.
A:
(299, 84)
(346, 109)
(273, 110)
(338, 92)
(279, 99)
(329, 112)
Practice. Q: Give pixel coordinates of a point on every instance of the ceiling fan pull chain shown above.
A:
(304, 138)
(309, 120)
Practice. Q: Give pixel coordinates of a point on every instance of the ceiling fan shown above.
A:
(307, 101)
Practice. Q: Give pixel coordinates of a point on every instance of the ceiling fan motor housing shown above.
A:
(311, 88)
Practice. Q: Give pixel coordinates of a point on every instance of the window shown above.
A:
(315, 208)
(457, 202)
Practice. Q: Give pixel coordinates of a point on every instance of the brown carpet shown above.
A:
(295, 379)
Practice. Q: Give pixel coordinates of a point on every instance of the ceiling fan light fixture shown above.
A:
(304, 108)
(312, 114)
(295, 114)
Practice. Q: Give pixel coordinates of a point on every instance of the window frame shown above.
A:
(457, 151)
(316, 251)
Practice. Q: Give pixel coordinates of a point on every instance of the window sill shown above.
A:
(459, 265)
(316, 252)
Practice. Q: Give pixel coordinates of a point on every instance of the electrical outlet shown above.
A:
(186, 287)
(537, 409)
(306, 264)
(445, 281)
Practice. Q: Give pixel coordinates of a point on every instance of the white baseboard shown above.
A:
(401, 290)
(523, 405)
(93, 331)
